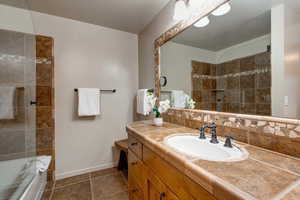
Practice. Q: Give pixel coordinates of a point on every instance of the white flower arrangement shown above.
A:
(151, 102)
(163, 105)
(190, 103)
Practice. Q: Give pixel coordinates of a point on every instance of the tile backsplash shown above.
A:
(276, 134)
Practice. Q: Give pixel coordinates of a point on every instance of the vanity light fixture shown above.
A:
(181, 10)
(202, 22)
(222, 10)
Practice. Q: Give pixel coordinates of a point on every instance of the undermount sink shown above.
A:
(202, 148)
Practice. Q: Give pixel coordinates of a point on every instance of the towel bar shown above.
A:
(113, 91)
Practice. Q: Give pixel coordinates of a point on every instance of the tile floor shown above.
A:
(108, 184)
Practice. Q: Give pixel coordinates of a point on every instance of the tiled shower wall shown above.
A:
(238, 86)
(204, 85)
(45, 135)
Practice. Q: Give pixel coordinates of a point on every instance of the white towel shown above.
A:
(88, 101)
(178, 98)
(7, 96)
(43, 163)
(143, 106)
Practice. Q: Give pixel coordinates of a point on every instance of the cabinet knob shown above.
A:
(33, 103)
(134, 163)
(135, 190)
(162, 196)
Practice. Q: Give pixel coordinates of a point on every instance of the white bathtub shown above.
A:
(23, 179)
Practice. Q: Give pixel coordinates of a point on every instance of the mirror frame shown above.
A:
(207, 8)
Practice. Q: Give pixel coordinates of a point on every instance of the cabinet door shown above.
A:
(156, 190)
(135, 190)
(154, 193)
(136, 194)
(171, 196)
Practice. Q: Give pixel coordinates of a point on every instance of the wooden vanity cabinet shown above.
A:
(152, 178)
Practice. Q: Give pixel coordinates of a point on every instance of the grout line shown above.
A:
(91, 186)
(109, 174)
(52, 191)
(124, 177)
(85, 180)
(248, 137)
(113, 194)
(116, 193)
(275, 152)
(287, 190)
(265, 163)
(166, 129)
(73, 183)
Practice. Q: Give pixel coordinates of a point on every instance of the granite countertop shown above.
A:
(264, 175)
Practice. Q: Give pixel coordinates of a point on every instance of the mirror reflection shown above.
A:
(242, 58)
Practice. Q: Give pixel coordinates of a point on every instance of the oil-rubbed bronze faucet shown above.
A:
(202, 134)
(213, 129)
(228, 141)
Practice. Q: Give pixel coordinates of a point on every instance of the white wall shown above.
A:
(248, 48)
(90, 56)
(176, 60)
(15, 19)
(292, 59)
(161, 23)
(286, 60)
(277, 58)
(86, 56)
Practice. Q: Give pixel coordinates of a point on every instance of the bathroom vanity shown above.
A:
(158, 171)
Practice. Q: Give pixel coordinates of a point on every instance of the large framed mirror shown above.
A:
(245, 60)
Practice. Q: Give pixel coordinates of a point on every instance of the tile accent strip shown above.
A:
(45, 135)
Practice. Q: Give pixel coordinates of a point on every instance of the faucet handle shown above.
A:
(202, 133)
(213, 126)
(228, 141)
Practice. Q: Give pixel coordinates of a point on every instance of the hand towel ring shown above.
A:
(163, 81)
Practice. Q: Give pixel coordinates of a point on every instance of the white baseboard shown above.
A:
(83, 171)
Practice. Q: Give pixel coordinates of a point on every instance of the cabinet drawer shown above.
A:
(135, 146)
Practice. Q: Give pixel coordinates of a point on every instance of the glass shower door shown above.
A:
(17, 98)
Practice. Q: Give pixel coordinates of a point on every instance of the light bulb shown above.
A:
(181, 11)
(222, 10)
(202, 22)
(195, 4)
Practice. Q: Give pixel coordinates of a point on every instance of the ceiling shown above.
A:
(126, 15)
(246, 20)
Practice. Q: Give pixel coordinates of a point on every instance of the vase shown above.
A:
(158, 121)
